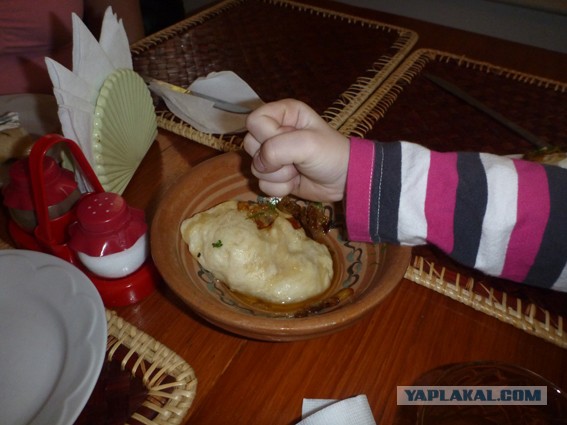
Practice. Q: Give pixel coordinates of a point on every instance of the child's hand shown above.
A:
(295, 151)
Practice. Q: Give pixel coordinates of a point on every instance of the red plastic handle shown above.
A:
(37, 154)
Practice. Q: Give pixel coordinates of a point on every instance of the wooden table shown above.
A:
(414, 330)
(244, 382)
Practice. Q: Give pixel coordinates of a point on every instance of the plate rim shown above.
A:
(81, 387)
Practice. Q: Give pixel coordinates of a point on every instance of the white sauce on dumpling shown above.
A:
(278, 264)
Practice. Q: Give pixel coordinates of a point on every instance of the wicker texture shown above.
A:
(282, 49)
(410, 107)
(116, 397)
(535, 312)
(142, 382)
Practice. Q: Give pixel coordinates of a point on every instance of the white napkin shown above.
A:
(351, 411)
(200, 113)
(37, 112)
(77, 91)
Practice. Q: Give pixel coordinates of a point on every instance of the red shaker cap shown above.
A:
(58, 184)
(105, 225)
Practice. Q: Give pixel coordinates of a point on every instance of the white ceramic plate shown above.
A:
(53, 339)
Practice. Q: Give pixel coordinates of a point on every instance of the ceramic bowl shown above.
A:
(364, 274)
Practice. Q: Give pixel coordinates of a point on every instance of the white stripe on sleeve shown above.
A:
(412, 226)
(501, 213)
(561, 283)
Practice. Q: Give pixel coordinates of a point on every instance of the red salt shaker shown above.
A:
(61, 192)
(109, 237)
(119, 233)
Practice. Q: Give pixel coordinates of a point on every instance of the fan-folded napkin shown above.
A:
(77, 91)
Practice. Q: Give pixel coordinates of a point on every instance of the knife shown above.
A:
(456, 91)
(217, 103)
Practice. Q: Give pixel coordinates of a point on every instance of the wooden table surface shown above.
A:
(415, 329)
(251, 382)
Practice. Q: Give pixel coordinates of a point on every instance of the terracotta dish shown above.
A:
(364, 274)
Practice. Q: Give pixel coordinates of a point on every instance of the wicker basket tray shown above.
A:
(142, 381)
(332, 61)
(537, 312)
(409, 107)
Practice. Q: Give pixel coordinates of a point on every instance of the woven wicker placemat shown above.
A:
(330, 60)
(409, 107)
(142, 381)
(535, 311)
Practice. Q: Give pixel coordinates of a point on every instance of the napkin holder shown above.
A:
(51, 234)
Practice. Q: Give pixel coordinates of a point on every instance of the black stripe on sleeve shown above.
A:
(552, 255)
(470, 208)
(386, 189)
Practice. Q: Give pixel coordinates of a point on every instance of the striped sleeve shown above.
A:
(507, 218)
(500, 215)
(550, 260)
(370, 217)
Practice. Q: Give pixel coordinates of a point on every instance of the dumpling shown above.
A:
(275, 262)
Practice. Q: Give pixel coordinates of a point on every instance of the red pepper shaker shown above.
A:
(61, 192)
(109, 237)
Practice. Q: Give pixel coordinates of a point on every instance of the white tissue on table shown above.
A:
(200, 113)
(350, 411)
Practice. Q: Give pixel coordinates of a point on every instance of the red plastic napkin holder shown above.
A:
(50, 235)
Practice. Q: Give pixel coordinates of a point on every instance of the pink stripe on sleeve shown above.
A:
(358, 189)
(441, 198)
(532, 216)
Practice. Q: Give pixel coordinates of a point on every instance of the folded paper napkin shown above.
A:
(77, 91)
(351, 411)
(200, 113)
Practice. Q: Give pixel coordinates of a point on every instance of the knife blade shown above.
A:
(217, 103)
(512, 126)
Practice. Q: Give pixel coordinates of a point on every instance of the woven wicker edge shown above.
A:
(364, 119)
(168, 121)
(473, 294)
(362, 88)
(179, 395)
(344, 106)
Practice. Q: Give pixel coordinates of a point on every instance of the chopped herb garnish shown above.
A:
(217, 244)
